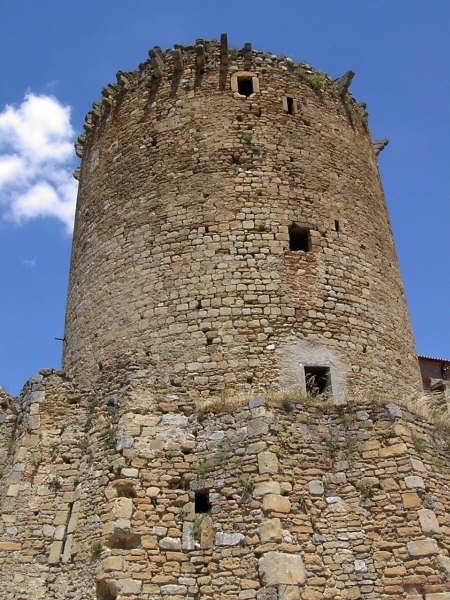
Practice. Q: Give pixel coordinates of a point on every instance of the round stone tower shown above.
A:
(231, 230)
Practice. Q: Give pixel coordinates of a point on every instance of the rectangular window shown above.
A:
(318, 380)
(290, 105)
(299, 238)
(245, 86)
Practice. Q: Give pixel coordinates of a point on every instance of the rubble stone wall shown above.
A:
(294, 501)
(181, 261)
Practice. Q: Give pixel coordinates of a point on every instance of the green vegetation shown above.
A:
(96, 549)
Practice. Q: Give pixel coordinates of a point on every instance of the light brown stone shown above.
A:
(270, 530)
(424, 547)
(276, 503)
(277, 568)
(267, 462)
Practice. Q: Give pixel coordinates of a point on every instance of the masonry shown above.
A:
(192, 194)
(235, 417)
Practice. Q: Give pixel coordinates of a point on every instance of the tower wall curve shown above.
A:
(231, 229)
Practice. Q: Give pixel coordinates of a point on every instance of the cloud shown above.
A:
(36, 161)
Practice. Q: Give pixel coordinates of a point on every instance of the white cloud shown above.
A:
(36, 161)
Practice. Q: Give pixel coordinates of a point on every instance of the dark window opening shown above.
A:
(318, 380)
(245, 86)
(106, 590)
(202, 503)
(299, 238)
(337, 227)
(290, 105)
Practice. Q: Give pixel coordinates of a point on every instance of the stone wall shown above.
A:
(132, 494)
(181, 262)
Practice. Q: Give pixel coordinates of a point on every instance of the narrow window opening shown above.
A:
(299, 238)
(318, 380)
(245, 86)
(290, 105)
(202, 503)
(337, 227)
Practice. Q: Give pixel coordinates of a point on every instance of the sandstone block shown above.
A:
(122, 508)
(55, 552)
(288, 592)
(438, 596)
(276, 503)
(113, 563)
(428, 521)
(266, 487)
(173, 590)
(129, 586)
(392, 451)
(280, 568)
(270, 530)
(149, 542)
(267, 462)
(425, 547)
(10, 546)
(411, 500)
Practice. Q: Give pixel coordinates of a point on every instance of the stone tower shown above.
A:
(231, 229)
(231, 246)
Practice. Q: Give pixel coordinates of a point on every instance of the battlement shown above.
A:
(207, 57)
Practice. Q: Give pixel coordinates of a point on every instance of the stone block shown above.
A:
(288, 592)
(149, 542)
(425, 547)
(267, 462)
(280, 568)
(112, 563)
(173, 590)
(10, 546)
(13, 490)
(394, 411)
(438, 596)
(393, 451)
(55, 552)
(276, 503)
(414, 481)
(428, 521)
(129, 472)
(270, 530)
(169, 543)
(256, 401)
(207, 533)
(266, 487)
(122, 508)
(228, 539)
(129, 586)
(267, 593)
(411, 500)
(315, 487)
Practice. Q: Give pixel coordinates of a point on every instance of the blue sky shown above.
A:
(57, 55)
